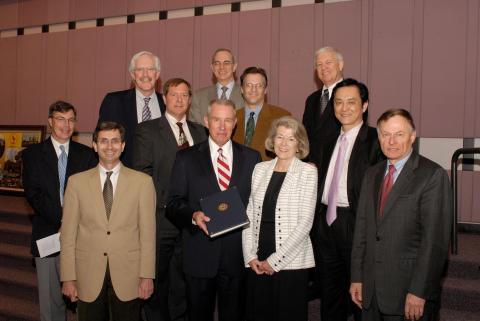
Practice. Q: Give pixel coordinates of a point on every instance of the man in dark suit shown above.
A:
(318, 117)
(344, 157)
(46, 169)
(156, 144)
(402, 233)
(223, 66)
(254, 120)
(211, 266)
(132, 106)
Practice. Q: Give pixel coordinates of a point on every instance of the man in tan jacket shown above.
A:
(107, 237)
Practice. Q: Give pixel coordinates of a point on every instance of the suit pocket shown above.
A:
(133, 255)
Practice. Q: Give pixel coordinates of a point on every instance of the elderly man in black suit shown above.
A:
(402, 230)
(343, 159)
(156, 144)
(212, 266)
(133, 106)
(46, 169)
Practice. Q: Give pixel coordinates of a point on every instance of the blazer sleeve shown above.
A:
(247, 239)
(146, 224)
(292, 246)
(143, 150)
(107, 112)
(435, 218)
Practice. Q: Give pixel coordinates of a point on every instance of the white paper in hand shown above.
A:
(49, 245)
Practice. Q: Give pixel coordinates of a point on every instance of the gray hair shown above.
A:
(328, 49)
(131, 68)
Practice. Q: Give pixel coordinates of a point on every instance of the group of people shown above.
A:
(355, 205)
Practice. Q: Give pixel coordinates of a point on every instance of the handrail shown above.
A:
(455, 156)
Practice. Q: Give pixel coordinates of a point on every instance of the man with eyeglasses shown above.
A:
(133, 106)
(254, 120)
(156, 144)
(223, 66)
(46, 169)
(402, 229)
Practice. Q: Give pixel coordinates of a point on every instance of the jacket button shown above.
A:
(377, 238)
(104, 254)
(108, 232)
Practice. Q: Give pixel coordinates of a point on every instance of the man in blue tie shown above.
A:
(46, 168)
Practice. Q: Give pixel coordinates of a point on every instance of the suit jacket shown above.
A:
(121, 107)
(405, 251)
(42, 187)
(155, 149)
(267, 115)
(89, 239)
(193, 178)
(318, 125)
(294, 214)
(202, 98)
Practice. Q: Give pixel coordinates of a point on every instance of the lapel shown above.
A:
(130, 110)
(377, 186)
(94, 183)
(212, 93)
(262, 124)
(121, 192)
(237, 96)
(196, 132)
(356, 155)
(325, 158)
(51, 158)
(165, 131)
(160, 102)
(240, 130)
(237, 164)
(206, 164)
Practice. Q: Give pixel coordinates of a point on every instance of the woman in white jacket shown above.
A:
(276, 245)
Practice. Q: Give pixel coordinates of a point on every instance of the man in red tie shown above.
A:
(214, 269)
(402, 229)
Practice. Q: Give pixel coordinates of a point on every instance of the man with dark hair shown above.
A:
(47, 167)
(212, 266)
(343, 159)
(254, 120)
(156, 144)
(108, 234)
(133, 106)
(223, 66)
(402, 232)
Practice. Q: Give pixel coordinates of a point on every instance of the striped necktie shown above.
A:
(62, 170)
(108, 194)
(223, 171)
(146, 113)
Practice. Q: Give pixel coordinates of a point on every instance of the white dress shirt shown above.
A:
(153, 104)
(229, 90)
(113, 177)
(172, 121)
(330, 88)
(226, 151)
(56, 146)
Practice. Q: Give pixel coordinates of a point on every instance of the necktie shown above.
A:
(146, 114)
(249, 130)
(182, 139)
(223, 171)
(386, 187)
(337, 173)
(62, 170)
(224, 92)
(108, 194)
(324, 101)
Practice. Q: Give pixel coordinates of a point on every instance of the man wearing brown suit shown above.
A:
(253, 121)
(107, 257)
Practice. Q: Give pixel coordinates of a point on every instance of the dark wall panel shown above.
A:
(8, 80)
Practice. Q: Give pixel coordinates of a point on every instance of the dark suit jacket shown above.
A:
(41, 183)
(318, 125)
(154, 152)
(193, 178)
(267, 115)
(121, 107)
(405, 251)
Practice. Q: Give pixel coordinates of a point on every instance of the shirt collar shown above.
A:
(399, 164)
(229, 85)
(115, 170)
(173, 120)
(353, 132)
(227, 148)
(57, 144)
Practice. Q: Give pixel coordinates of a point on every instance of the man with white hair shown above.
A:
(133, 106)
(318, 117)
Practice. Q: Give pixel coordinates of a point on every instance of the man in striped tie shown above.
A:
(212, 266)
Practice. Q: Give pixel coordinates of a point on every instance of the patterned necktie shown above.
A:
(337, 173)
(108, 194)
(223, 171)
(324, 101)
(386, 188)
(182, 139)
(62, 170)
(224, 92)
(249, 130)
(146, 114)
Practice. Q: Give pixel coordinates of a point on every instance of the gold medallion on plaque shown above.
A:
(222, 207)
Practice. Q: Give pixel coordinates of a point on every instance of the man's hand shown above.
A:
(356, 293)
(266, 268)
(145, 288)
(256, 266)
(414, 307)
(200, 218)
(69, 289)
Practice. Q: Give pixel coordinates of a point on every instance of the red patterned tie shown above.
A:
(223, 171)
(386, 188)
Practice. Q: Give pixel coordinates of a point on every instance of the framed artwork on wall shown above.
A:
(13, 140)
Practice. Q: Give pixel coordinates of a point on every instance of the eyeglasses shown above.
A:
(63, 121)
(289, 140)
(395, 136)
(147, 70)
(256, 86)
(226, 63)
(179, 95)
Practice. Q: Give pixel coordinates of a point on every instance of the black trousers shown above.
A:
(107, 306)
(333, 248)
(168, 301)
(227, 290)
